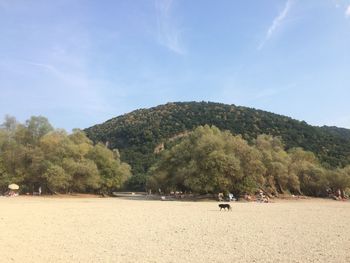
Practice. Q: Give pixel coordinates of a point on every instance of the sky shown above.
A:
(82, 62)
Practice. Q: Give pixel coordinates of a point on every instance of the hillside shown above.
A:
(139, 133)
(339, 132)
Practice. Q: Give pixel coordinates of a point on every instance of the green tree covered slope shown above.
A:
(137, 134)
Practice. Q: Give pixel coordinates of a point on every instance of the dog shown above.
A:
(224, 206)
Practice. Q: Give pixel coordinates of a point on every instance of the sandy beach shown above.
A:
(39, 229)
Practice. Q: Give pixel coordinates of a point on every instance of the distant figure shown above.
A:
(338, 193)
(39, 190)
(247, 197)
(220, 197)
(230, 197)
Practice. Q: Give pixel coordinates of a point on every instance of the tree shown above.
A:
(9, 125)
(84, 175)
(311, 175)
(35, 155)
(57, 180)
(208, 161)
(339, 179)
(37, 126)
(113, 172)
(276, 161)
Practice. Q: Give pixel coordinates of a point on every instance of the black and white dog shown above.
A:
(225, 206)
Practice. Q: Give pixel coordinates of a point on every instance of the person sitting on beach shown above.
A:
(231, 197)
(220, 196)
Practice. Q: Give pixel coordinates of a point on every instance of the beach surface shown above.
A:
(39, 229)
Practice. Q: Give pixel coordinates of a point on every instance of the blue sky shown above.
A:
(80, 63)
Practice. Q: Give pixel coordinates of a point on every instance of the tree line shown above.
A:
(34, 154)
(139, 132)
(211, 161)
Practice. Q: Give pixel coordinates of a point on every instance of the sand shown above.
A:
(37, 229)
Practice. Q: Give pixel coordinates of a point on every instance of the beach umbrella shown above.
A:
(13, 187)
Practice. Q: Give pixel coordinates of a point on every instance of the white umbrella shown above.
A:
(13, 187)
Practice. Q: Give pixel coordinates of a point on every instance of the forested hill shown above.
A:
(339, 132)
(137, 134)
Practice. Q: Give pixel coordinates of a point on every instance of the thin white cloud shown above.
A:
(169, 34)
(276, 23)
(347, 12)
(45, 66)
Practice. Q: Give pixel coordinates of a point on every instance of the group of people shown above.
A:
(337, 195)
(11, 193)
(230, 197)
(260, 197)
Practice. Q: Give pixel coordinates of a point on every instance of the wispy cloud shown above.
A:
(82, 89)
(169, 33)
(276, 23)
(41, 65)
(347, 12)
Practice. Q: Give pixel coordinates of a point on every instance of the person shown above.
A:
(338, 193)
(220, 196)
(39, 190)
(247, 197)
(230, 197)
(261, 196)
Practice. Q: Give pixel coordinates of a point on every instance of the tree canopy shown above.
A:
(140, 133)
(203, 160)
(35, 155)
(209, 161)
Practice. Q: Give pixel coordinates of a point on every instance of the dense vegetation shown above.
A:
(139, 133)
(35, 155)
(211, 161)
(172, 147)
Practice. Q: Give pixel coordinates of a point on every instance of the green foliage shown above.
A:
(208, 160)
(35, 154)
(57, 179)
(36, 127)
(339, 179)
(137, 134)
(84, 174)
(137, 182)
(113, 172)
(211, 161)
(166, 149)
(276, 161)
